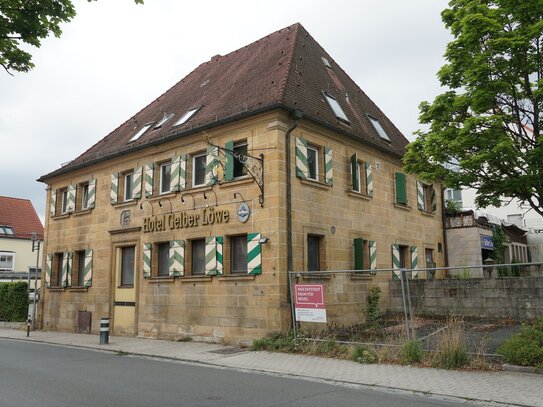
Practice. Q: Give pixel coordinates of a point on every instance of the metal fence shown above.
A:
(370, 306)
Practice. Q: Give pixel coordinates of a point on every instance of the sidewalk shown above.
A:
(510, 388)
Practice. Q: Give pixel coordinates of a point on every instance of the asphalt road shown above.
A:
(33, 374)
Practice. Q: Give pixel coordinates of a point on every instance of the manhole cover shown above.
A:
(227, 351)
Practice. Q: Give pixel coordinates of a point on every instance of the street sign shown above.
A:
(309, 303)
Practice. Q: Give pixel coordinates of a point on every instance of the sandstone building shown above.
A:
(185, 219)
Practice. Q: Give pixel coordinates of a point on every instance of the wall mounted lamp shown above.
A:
(184, 202)
(206, 199)
(263, 240)
(238, 195)
(150, 204)
(162, 205)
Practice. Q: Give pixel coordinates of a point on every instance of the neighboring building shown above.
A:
(185, 219)
(18, 221)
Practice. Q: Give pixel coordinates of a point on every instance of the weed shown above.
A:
(364, 354)
(451, 350)
(185, 339)
(373, 305)
(411, 352)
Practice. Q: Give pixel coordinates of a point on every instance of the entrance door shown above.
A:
(124, 305)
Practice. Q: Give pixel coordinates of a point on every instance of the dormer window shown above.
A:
(186, 117)
(163, 121)
(141, 132)
(336, 108)
(378, 128)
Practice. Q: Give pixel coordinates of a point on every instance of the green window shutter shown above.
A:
(359, 254)
(87, 273)
(147, 253)
(114, 193)
(174, 171)
(301, 158)
(148, 181)
(328, 166)
(401, 188)
(70, 204)
(420, 196)
(48, 263)
(53, 202)
(414, 261)
(67, 269)
(254, 254)
(373, 255)
(355, 175)
(182, 172)
(369, 179)
(396, 263)
(214, 255)
(211, 161)
(176, 267)
(229, 171)
(136, 183)
(433, 201)
(92, 193)
(220, 258)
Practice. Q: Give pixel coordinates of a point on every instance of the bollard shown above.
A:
(104, 331)
(28, 326)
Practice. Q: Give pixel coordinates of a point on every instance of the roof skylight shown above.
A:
(378, 128)
(326, 62)
(185, 118)
(336, 108)
(6, 230)
(140, 132)
(163, 121)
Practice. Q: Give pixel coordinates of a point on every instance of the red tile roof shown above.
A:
(21, 216)
(282, 70)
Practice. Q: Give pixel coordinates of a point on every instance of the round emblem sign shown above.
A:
(243, 212)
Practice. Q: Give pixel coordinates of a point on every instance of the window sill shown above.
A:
(57, 289)
(160, 279)
(82, 212)
(403, 207)
(314, 276)
(426, 213)
(315, 184)
(235, 277)
(239, 181)
(158, 197)
(195, 279)
(132, 202)
(62, 216)
(126, 286)
(358, 195)
(362, 276)
(78, 289)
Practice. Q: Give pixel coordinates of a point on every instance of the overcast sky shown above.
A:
(116, 56)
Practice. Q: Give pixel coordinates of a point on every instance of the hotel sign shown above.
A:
(184, 220)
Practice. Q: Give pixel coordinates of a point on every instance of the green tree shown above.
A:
(484, 131)
(29, 22)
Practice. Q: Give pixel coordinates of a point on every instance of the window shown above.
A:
(7, 261)
(163, 259)
(6, 230)
(198, 169)
(85, 196)
(57, 266)
(127, 265)
(426, 197)
(359, 175)
(378, 128)
(314, 252)
(63, 200)
(238, 251)
(240, 151)
(163, 121)
(313, 163)
(165, 177)
(186, 117)
(429, 258)
(198, 256)
(140, 132)
(128, 186)
(336, 108)
(80, 264)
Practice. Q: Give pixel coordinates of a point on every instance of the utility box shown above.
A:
(84, 321)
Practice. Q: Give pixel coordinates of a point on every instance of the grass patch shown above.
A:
(451, 349)
(411, 352)
(364, 354)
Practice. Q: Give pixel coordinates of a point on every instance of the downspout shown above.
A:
(444, 222)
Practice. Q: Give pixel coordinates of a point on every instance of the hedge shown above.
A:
(13, 301)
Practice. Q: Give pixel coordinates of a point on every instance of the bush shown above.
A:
(411, 352)
(526, 347)
(364, 354)
(14, 301)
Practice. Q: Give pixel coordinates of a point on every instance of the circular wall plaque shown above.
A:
(243, 212)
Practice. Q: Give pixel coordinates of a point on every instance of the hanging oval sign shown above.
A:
(243, 212)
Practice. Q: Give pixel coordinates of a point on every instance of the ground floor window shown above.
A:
(80, 264)
(238, 251)
(198, 247)
(127, 265)
(163, 259)
(7, 261)
(314, 252)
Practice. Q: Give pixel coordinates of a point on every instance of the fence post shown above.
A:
(402, 276)
(292, 310)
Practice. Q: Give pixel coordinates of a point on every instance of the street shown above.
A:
(42, 375)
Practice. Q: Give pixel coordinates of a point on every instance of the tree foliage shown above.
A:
(484, 131)
(29, 22)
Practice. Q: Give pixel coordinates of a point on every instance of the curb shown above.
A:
(522, 369)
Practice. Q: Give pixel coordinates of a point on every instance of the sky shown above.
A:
(115, 57)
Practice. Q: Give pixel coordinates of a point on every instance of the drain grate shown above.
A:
(227, 351)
